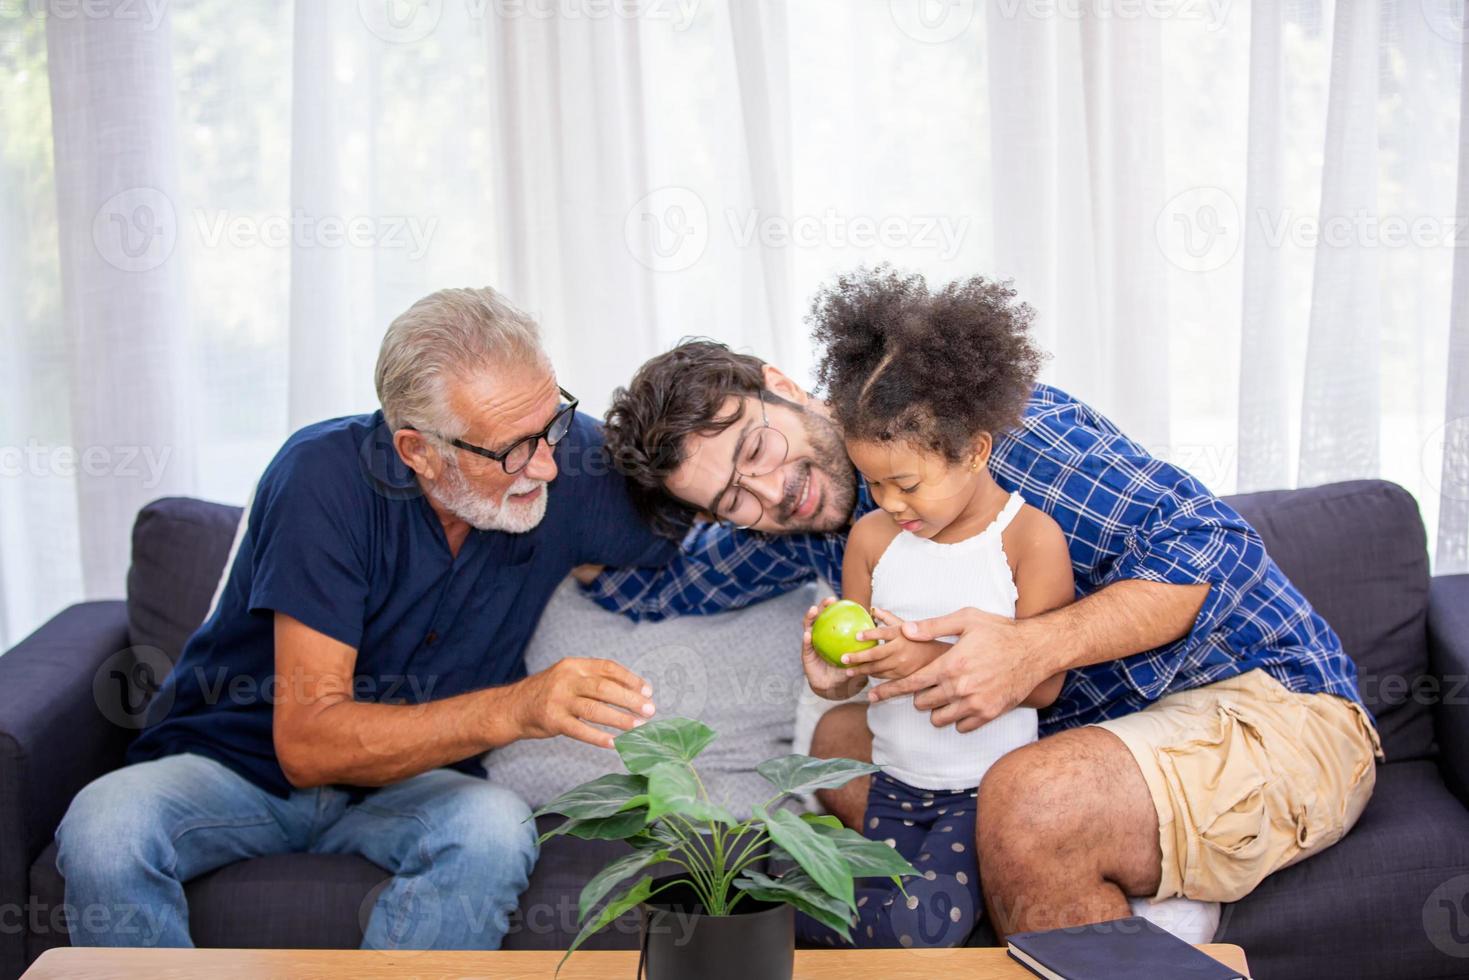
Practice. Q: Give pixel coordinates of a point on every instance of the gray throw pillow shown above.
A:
(738, 672)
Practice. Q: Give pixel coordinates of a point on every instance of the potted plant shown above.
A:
(734, 919)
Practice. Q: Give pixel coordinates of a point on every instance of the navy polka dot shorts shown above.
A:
(934, 830)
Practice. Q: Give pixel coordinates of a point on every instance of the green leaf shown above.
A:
(601, 797)
(801, 773)
(616, 872)
(654, 836)
(820, 820)
(795, 888)
(818, 856)
(616, 827)
(867, 858)
(672, 788)
(615, 906)
(664, 740)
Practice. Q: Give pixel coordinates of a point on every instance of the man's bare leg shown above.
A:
(842, 733)
(1066, 831)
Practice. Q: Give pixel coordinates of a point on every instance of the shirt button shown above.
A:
(432, 638)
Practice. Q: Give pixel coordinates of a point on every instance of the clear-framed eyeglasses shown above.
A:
(760, 452)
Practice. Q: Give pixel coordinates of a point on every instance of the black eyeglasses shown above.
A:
(518, 454)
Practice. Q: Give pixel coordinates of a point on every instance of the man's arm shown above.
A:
(719, 569)
(1165, 572)
(323, 736)
(998, 662)
(1123, 619)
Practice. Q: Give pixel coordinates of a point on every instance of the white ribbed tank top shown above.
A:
(918, 579)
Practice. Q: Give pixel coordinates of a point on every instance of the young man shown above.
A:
(1209, 731)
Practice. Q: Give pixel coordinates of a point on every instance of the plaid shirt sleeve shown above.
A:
(1192, 540)
(718, 569)
(1128, 515)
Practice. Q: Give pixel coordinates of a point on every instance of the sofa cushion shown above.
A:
(738, 672)
(302, 901)
(1359, 553)
(1371, 905)
(180, 546)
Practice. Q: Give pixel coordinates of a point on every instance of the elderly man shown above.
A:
(1209, 731)
(367, 648)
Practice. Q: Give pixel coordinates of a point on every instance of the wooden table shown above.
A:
(813, 964)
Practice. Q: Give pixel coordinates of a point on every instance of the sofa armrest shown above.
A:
(1448, 659)
(54, 736)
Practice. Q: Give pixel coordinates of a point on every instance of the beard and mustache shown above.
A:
(829, 456)
(452, 490)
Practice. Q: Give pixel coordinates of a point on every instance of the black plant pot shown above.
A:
(680, 942)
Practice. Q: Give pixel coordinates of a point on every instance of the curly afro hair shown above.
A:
(934, 369)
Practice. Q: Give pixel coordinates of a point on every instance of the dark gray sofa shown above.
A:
(1390, 900)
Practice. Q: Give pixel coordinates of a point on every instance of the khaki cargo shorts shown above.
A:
(1248, 777)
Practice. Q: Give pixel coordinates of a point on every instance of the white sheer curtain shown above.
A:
(1236, 222)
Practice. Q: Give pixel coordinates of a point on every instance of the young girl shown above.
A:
(922, 385)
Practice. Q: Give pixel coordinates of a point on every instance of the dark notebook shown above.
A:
(1123, 949)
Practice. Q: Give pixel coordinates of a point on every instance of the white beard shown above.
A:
(459, 498)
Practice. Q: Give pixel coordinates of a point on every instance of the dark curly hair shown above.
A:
(673, 396)
(932, 368)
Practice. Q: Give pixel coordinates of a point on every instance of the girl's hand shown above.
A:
(895, 655)
(996, 662)
(832, 683)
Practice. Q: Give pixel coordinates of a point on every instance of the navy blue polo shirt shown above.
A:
(341, 538)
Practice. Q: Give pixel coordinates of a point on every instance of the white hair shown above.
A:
(449, 334)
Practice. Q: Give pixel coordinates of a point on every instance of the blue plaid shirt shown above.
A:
(1125, 515)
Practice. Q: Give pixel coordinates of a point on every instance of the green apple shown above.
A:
(835, 631)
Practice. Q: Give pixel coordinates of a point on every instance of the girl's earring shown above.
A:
(974, 465)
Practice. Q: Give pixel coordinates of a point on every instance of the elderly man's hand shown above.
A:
(989, 670)
(571, 695)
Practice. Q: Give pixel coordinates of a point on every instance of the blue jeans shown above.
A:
(460, 849)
